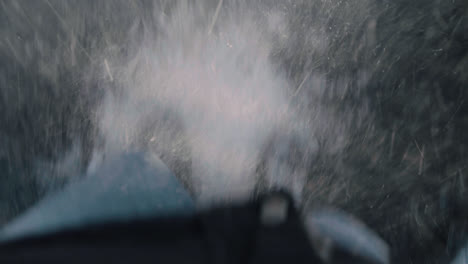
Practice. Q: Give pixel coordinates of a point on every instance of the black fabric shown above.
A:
(225, 235)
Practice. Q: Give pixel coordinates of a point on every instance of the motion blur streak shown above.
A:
(357, 104)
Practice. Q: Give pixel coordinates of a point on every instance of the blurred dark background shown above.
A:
(403, 170)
